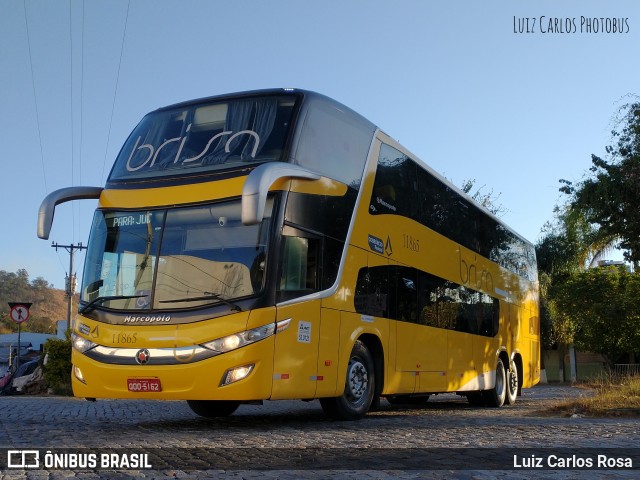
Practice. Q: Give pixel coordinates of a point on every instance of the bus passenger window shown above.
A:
(372, 292)
(405, 307)
(395, 185)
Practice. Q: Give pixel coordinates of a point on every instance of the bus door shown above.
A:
(295, 363)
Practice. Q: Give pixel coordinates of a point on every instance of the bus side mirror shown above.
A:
(48, 205)
(256, 187)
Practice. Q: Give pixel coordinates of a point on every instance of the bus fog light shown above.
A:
(78, 373)
(234, 374)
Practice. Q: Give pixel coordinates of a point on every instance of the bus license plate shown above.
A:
(144, 385)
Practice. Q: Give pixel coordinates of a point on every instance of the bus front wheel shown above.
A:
(213, 408)
(359, 388)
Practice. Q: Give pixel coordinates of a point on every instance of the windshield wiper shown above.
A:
(98, 301)
(208, 296)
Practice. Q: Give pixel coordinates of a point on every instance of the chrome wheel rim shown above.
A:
(500, 380)
(357, 381)
(513, 382)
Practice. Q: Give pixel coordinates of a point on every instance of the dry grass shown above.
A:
(614, 396)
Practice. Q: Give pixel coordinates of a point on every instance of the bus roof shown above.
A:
(309, 97)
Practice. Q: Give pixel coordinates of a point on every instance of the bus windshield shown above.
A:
(205, 137)
(174, 258)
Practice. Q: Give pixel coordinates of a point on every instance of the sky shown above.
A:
(515, 95)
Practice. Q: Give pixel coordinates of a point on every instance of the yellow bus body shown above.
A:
(289, 369)
(310, 354)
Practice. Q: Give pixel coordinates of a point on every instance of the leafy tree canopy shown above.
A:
(596, 308)
(609, 197)
(600, 308)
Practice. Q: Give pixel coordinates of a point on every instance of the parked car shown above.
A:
(23, 370)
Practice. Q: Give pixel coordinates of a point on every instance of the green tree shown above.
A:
(610, 195)
(602, 304)
(568, 246)
(601, 212)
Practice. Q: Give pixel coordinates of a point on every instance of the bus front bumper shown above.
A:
(244, 374)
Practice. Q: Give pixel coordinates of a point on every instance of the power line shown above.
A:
(115, 92)
(73, 204)
(81, 100)
(35, 99)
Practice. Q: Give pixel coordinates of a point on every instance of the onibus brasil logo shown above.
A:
(33, 459)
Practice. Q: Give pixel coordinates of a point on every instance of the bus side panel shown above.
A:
(328, 352)
(295, 363)
(534, 330)
(487, 349)
(531, 361)
(461, 364)
(422, 352)
(514, 328)
(532, 377)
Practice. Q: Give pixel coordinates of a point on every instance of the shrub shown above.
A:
(57, 371)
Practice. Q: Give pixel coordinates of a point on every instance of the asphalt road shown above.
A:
(446, 438)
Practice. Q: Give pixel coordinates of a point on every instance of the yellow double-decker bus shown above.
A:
(275, 244)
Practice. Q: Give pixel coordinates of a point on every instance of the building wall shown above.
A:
(588, 365)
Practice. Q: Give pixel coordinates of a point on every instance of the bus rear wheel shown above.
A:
(496, 396)
(512, 384)
(359, 388)
(213, 408)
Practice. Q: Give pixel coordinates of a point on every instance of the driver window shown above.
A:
(300, 262)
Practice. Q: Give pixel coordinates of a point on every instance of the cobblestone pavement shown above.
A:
(294, 440)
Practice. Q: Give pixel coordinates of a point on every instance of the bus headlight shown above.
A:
(237, 340)
(81, 344)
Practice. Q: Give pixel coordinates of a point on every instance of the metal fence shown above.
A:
(627, 369)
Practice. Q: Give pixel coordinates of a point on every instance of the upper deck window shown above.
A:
(334, 143)
(402, 187)
(205, 137)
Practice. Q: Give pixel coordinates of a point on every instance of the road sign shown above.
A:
(19, 312)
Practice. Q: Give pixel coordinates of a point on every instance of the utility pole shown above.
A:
(71, 279)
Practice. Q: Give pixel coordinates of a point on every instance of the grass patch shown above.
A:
(614, 396)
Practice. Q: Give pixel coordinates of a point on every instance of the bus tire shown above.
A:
(359, 388)
(512, 384)
(213, 408)
(496, 396)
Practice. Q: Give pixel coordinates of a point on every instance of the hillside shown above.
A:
(49, 304)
